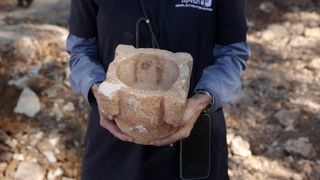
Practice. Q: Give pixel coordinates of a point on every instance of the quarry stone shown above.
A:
(28, 103)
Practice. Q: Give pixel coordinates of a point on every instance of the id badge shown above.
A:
(195, 151)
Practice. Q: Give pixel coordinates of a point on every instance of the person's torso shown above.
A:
(179, 26)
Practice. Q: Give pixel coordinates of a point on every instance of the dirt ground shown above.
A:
(273, 127)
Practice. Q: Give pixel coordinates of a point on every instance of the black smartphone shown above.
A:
(195, 151)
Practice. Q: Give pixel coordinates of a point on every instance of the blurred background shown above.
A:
(273, 128)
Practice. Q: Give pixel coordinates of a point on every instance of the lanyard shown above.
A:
(145, 19)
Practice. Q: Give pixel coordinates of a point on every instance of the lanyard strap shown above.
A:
(145, 19)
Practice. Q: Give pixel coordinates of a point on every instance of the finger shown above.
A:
(187, 115)
(106, 115)
(183, 132)
(190, 118)
(190, 114)
(110, 117)
(96, 93)
(114, 130)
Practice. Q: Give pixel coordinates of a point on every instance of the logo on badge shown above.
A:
(205, 5)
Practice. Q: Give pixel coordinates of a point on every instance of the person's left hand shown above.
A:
(194, 106)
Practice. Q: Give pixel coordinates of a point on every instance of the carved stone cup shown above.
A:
(146, 91)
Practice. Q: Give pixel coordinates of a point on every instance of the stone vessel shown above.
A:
(146, 91)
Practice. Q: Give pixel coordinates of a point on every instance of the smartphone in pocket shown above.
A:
(195, 151)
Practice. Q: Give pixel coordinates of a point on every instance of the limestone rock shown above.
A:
(297, 177)
(230, 137)
(29, 171)
(69, 107)
(240, 147)
(3, 135)
(54, 141)
(51, 92)
(312, 33)
(300, 146)
(3, 167)
(316, 172)
(20, 82)
(19, 157)
(315, 64)
(298, 29)
(287, 118)
(31, 43)
(304, 166)
(28, 103)
(26, 48)
(44, 145)
(275, 149)
(52, 175)
(5, 156)
(11, 142)
(11, 169)
(35, 82)
(274, 31)
(267, 7)
(146, 91)
(50, 156)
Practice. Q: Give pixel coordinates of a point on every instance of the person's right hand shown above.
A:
(107, 121)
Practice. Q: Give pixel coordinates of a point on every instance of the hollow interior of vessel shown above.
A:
(148, 72)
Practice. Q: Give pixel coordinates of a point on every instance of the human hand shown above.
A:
(194, 106)
(107, 121)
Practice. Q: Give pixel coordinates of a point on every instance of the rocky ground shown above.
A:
(273, 128)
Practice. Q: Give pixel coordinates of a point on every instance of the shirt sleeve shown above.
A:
(82, 20)
(85, 66)
(230, 22)
(222, 79)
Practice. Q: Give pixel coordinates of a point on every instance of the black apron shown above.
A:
(107, 158)
(179, 26)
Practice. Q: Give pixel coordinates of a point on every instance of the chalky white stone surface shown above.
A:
(28, 103)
